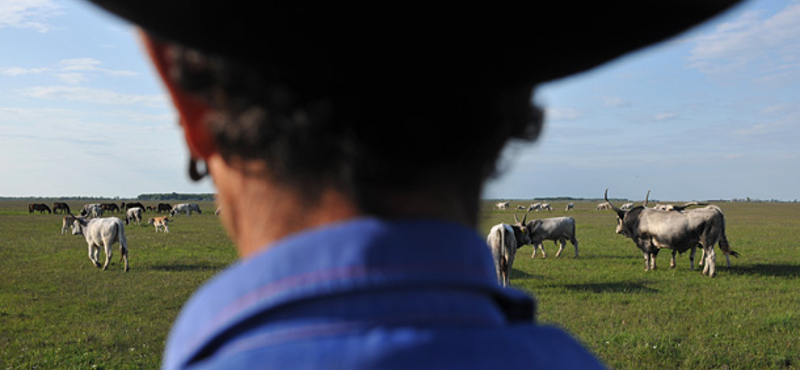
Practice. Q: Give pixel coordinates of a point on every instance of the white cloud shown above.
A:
(614, 101)
(17, 71)
(768, 45)
(28, 14)
(664, 116)
(562, 114)
(98, 96)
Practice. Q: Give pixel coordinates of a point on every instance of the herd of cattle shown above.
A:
(674, 227)
(104, 232)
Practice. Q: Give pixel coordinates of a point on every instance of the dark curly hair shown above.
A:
(371, 135)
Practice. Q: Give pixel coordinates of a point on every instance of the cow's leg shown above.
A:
(541, 249)
(691, 257)
(711, 263)
(166, 229)
(562, 243)
(646, 261)
(109, 251)
(701, 261)
(574, 242)
(672, 261)
(93, 255)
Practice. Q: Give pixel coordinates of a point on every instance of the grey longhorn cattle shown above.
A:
(557, 229)
(652, 230)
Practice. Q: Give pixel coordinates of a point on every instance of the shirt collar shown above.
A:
(349, 256)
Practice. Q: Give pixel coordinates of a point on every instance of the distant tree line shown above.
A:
(153, 197)
(176, 197)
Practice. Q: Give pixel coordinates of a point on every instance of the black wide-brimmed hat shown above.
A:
(487, 42)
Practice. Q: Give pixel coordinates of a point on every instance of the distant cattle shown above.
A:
(186, 208)
(535, 207)
(502, 205)
(157, 222)
(92, 210)
(128, 206)
(133, 214)
(64, 207)
(503, 241)
(603, 205)
(110, 207)
(570, 207)
(41, 207)
(102, 232)
(164, 207)
(547, 206)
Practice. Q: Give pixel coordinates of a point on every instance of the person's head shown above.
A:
(394, 108)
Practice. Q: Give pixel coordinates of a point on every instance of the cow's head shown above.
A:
(622, 213)
(77, 225)
(521, 231)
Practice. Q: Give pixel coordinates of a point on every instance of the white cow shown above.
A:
(94, 210)
(570, 207)
(547, 206)
(133, 214)
(159, 222)
(502, 205)
(102, 232)
(186, 208)
(503, 241)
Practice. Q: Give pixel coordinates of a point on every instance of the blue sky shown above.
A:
(713, 113)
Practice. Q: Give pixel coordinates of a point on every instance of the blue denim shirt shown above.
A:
(368, 294)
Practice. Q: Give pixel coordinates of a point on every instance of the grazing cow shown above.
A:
(503, 241)
(134, 214)
(64, 207)
(166, 207)
(158, 222)
(186, 208)
(92, 210)
(41, 207)
(110, 207)
(570, 207)
(626, 206)
(88, 208)
(67, 222)
(603, 206)
(102, 232)
(535, 207)
(502, 205)
(680, 231)
(128, 206)
(557, 229)
(547, 206)
(521, 207)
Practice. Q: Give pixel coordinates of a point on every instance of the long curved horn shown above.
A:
(605, 196)
(646, 198)
(515, 217)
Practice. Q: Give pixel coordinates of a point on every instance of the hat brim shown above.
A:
(502, 44)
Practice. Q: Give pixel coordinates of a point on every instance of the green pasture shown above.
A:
(57, 311)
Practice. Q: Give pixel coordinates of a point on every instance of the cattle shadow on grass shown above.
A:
(765, 269)
(620, 287)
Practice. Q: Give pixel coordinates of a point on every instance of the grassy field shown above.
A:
(57, 311)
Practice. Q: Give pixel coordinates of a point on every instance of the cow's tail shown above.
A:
(725, 246)
(123, 245)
